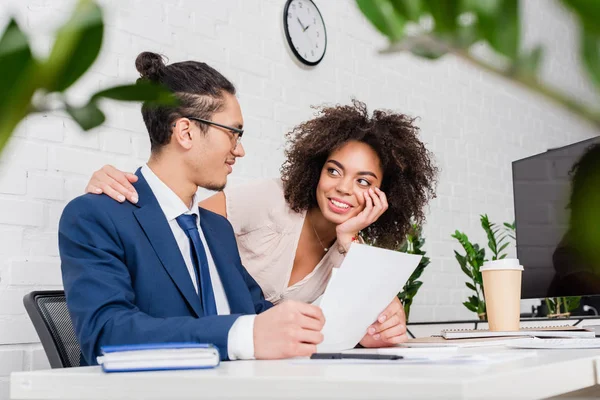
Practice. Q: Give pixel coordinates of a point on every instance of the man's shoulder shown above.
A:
(93, 204)
(213, 218)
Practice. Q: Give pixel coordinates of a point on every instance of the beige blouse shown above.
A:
(267, 232)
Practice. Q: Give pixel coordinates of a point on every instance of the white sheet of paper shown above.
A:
(362, 287)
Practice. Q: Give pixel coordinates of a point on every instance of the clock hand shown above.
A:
(300, 22)
(304, 30)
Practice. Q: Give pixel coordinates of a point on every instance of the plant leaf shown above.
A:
(76, 47)
(413, 287)
(143, 91)
(466, 36)
(429, 52)
(590, 52)
(470, 306)
(17, 82)
(510, 226)
(444, 13)
(503, 247)
(383, 16)
(572, 302)
(587, 10)
(488, 7)
(470, 286)
(474, 300)
(462, 261)
(409, 9)
(500, 25)
(417, 273)
(529, 64)
(88, 116)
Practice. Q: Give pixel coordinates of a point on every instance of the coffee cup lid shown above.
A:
(504, 264)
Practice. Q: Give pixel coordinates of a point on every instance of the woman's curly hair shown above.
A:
(409, 174)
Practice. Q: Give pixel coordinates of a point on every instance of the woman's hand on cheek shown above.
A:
(375, 204)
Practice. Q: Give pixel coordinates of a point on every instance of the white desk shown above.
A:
(550, 373)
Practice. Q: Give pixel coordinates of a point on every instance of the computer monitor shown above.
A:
(546, 188)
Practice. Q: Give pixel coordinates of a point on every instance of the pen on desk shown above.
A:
(359, 356)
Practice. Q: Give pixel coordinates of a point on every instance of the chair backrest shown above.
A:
(50, 317)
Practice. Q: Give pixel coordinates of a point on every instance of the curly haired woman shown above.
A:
(345, 172)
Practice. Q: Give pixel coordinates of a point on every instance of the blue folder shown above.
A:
(158, 356)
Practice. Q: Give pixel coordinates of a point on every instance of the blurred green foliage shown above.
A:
(562, 306)
(413, 245)
(30, 84)
(433, 28)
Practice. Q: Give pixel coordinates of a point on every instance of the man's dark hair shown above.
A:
(409, 175)
(198, 87)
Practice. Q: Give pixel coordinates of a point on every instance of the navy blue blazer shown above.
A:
(126, 282)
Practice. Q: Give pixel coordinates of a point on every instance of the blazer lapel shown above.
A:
(151, 218)
(234, 285)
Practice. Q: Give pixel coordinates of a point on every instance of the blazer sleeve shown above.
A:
(258, 297)
(99, 291)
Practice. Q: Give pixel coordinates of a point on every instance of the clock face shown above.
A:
(305, 31)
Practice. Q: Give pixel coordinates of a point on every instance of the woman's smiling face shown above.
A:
(348, 172)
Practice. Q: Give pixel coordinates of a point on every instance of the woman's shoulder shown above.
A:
(269, 190)
(259, 203)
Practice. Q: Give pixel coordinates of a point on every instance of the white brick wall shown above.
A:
(475, 124)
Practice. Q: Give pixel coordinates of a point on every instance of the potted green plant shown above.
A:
(470, 263)
(561, 307)
(413, 245)
(474, 257)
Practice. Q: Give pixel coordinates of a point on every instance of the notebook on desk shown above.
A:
(155, 357)
(566, 331)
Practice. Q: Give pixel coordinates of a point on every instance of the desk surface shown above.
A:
(549, 373)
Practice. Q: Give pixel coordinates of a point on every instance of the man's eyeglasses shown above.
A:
(236, 132)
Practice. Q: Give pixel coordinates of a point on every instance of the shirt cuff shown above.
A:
(240, 340)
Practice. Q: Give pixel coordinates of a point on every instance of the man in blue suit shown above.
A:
(165, 270)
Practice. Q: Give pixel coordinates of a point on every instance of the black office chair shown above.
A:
(52, 322)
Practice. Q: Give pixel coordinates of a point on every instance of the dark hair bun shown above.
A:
(150, 65)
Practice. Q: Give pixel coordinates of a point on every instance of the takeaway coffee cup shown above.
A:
(502, 291)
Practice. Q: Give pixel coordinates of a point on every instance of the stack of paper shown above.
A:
(153, 357)
(566, 331)
(438, 341)
(536, 343)
(364, 285)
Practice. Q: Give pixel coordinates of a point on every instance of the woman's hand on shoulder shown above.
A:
(114, 183)
(375, 204)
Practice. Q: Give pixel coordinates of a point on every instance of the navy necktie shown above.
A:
(188, 224)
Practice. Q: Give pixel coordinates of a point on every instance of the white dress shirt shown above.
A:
(240, 340)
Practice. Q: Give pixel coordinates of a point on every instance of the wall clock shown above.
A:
(305, 31)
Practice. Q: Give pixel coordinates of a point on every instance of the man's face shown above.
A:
(216, 149)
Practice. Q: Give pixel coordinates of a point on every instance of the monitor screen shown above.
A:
(547, 195)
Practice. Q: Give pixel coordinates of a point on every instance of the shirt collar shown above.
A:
(168, 201)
